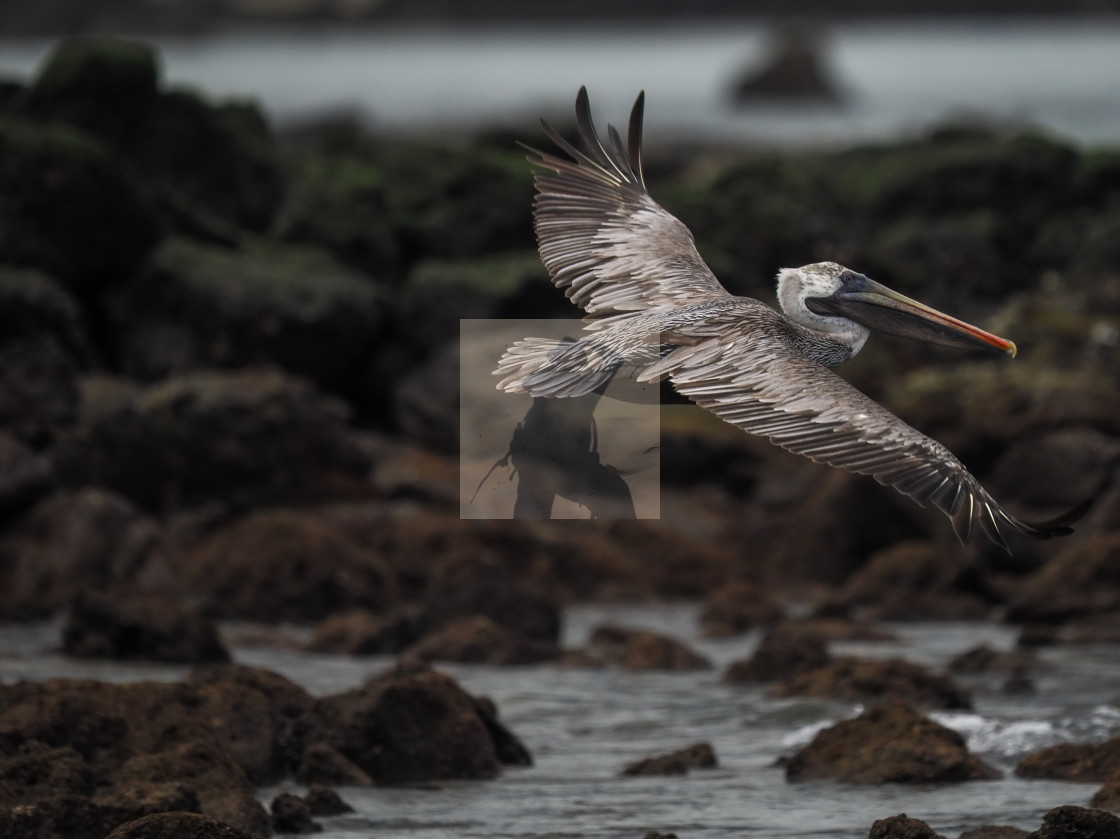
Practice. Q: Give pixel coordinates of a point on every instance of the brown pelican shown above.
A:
(652, 302)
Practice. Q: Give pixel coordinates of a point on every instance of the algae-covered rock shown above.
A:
(68, 207)
(198, 306)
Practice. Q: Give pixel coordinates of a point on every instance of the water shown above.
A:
(583, 726)
(898, 76)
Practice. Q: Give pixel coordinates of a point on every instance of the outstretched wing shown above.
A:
(605, 242)
(758, 383)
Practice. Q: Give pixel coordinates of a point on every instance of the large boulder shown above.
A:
(890, 743)
(479, 639)
(781, 654)
(1080, 582)
(737, 606)
(696, 756)
(240, 437)
(1069, 822)
(1082, 762)
(179, 825)
(902, 827)
(854, 679)
(644, 649)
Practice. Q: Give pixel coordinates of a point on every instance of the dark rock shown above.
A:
(59, 817)
(1108, 796)
(994, 831)
(285, 565)
(653, 834)
(250, 436)
(361, 632)
(68, 208)
(1070, 822)
(838, 629)
(179, 826)
(642, 649)
(322, 801)
(779, 655)
(1084, 762)
(902, 827)
(197, 306)
(794, 70)
(324, 764)
(36, 772)
(696, 756)
(69, 543)
(290, 814)
(1080, 581)
(141, 799)
(479, 639)
(508, 747)
(853, 679)
(984, 659)
(145, 628)
(408, 724)
(25, 476)
(737, 607)
(1076, 463)
(426, 401)
(890, 743)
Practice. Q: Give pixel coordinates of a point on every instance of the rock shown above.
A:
(361, 632)
(68, 208)
(324, 764)
(852, 679)
(322, 801)
(478, 639)
(1077, 463)
(25, 476)
(1079, 582)
(641, 649)
(902, 827)
(737, 607)
(1084, 762)
(994, 831)
(180, 826)
(147, 628)
(141, 799)
(696, 756)
(1070, 822)
(890, 743)
(60, 817)
(240, 437)
(779, 655)
(1108, 796)
(220, 158)
(509, 749)
(426, 401)
(408, 724)
(984, 659)
(35, 772)
(794, 70)
(71, 542)
(284, 564)
(290, 814)
(838, 629)
(198, 306)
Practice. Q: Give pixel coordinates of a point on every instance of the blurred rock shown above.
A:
(984, 659)
(736, 607)
(361, 632)
(794, 70)
(240, 437)
(1079, 582)
(68, 208)
(1069, 822)
(284, 565)
(890, 743)
(323, 764)
(25, 476)
(199, 306)
(643, 649)
(480, 640)
(852, 679)
(1054, 470)
(696, 756)
(426, 401)
(902, 827)
(71, 542)
(180, 826)
(994, 831)
(322, 801)
(290, 814)
(781, 654)
(145, 628)
(1082, 762)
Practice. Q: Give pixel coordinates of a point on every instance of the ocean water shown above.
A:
(583, 726)
(898, 77)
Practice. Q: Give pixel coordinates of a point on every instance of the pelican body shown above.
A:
(652, 303)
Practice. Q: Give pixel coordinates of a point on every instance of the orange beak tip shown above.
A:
(1012, 350)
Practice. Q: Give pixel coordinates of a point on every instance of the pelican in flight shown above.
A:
(653, 304)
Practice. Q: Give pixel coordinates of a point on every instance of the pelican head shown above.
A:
(845, 305)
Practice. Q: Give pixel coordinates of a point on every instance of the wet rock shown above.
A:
(199, 306)
(1070, 822)
(324, 764)
(890, 743)
(285, 565)
(794, 70)
(1084, 762)
(902, 827)
(1081, 581)
(180, 826)
(144, 628)
(290, 814)
(780, 655)
(737, 607)
(361, 632)
(853, 679)
(509, 749)
(1108, 796)
(25, 476)
(60, 817)
(69, 543)
(479, 639)
(322, 801)
(642, 649)
(68, 208)
(985, 659)
(838, 629)
(241, 437)
(35, 772)
(141, 799)
(994, 831)
(696, 756)
(407, 724)
(221, 158)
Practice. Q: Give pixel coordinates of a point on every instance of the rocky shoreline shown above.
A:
(228, 391)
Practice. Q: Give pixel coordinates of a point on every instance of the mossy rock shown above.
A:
(203, 306)
(69, 208)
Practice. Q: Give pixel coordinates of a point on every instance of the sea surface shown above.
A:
(583, 726)
(897, 77)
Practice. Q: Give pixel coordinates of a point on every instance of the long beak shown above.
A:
(878, 307)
